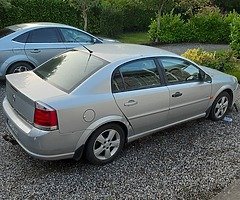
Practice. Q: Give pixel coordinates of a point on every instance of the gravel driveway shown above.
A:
(195, 160)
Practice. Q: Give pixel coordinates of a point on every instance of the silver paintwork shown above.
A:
(141, 112)
(35, 53)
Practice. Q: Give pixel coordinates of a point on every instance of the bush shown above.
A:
(171, 29)
(223, 61)
(40, 10)
(235, 36)
(208, 26)
(110, 21)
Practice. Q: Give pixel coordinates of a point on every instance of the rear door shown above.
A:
(43, 44)
(140, 94)
(189, 95)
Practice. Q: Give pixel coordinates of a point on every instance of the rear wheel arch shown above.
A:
(82, 148)
(109, 147)
(10, 67)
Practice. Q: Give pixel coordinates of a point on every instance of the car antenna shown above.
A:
(90, 51)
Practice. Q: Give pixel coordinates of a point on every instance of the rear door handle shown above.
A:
(35, 51)
(177, 94)
(130, 103)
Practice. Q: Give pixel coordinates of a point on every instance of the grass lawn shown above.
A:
(135, 38)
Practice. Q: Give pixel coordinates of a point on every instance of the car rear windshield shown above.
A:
(5, 31)
(70, 69)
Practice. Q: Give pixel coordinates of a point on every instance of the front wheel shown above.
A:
(220, 106)
(105, 144)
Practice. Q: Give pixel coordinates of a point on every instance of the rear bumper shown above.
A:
(46, 145)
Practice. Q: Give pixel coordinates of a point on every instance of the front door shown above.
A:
(189, 95)
(73, 38)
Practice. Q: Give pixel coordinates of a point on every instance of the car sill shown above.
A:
(135, 137)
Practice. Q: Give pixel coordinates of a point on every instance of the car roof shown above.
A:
(36, 24)
(118, 51)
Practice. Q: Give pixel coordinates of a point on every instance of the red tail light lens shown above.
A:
(45, 117)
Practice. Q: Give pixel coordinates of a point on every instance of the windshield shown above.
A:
(70, 69)
(4, 32)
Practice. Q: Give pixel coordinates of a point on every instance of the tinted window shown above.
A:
(70, 69)
(44, 35)
(139, 74)
(117, 82)
(178, 70)
(5, 32)
(71, 35)
(21, 38)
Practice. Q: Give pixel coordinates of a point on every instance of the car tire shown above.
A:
(19, 67)
(220, 106)
(105, 144)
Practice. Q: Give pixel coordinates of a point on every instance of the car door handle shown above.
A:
(130, 103)
(177, 94)
(35, 51)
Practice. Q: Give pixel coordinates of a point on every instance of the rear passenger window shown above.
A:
(136, 75)
(44, 35)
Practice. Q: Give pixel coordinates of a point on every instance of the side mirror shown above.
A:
(94, 41)
(202, 75)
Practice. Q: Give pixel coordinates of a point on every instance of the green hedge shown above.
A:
(235, 36)
(209, 26)
(171, 29)
(40, 10)
(106, 19)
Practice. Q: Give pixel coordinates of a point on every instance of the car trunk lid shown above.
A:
(24, 89)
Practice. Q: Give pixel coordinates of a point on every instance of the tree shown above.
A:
(5, 4)
(189, 6)
(157, 6)
(83, 6)
(227, 5)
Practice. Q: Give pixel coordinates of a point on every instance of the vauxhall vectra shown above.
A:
(96, 100)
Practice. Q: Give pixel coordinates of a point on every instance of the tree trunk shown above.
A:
(85, 18)
(160, 8)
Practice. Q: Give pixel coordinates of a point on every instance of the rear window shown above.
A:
(70, 69)
(4, 32)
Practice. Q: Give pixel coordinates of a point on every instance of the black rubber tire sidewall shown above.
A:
(212, 115)
(89, 155)
(15, 65)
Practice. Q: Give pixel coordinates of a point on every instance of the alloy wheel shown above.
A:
(106, 144)
(221, 107)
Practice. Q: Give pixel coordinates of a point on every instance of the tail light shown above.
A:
(45, 117)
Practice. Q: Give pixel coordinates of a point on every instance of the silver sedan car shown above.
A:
(95, 101)
(25, 46)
